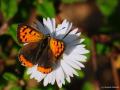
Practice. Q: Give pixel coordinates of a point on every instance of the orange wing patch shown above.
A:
(57, 47)
(24, 61)
(27, 34)
(44, 70)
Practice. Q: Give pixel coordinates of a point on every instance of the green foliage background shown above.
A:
(105, 39)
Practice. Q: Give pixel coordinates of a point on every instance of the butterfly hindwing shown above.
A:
(27, 34)
(38, 53)
(27, 54)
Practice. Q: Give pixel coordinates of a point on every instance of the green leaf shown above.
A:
(12, 31)
(81, 74)
(116, 43)
(107, 6)
(1, 86)
(62, 88)
(2, 54)
(46, 8)
(35, 88)
(8, 8)
(26, 76)
(88, 43)
(71, 1)
(99, 48)
(102, 48)
(16, 88)
(88, 86)
(9, 77)
(105, 30)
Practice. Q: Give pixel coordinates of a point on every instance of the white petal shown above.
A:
(31, 70)
(68, 78)
(34, 73)
(71, 48)
(68, 69)
(53, 24)
(60, 77)
(53, 81)
(78, 63)
(80, 50)
(61, 26)
(75, 42)
(48, 25)
(74, 31)
(53, 78)
(75, 56)
(80, 58)
(25, 44)
(61, 32)
(39, 78)
(78, 34)
(31, 76)
(49, 78)
(46, 80)
(71, 36)
(40, 27)
(81, 40)
(76, 59)
(72, 64)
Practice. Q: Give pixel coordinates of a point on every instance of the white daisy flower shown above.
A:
(72, 57)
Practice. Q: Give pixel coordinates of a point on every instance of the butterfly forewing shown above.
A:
(57, 47)
(27, 34)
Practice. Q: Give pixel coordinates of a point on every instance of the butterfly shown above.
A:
(39, 49)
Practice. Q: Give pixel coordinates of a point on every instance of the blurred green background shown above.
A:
(99, 22)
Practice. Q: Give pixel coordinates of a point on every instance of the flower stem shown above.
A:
(94, 57)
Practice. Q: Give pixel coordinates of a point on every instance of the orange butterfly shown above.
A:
(39, 49)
